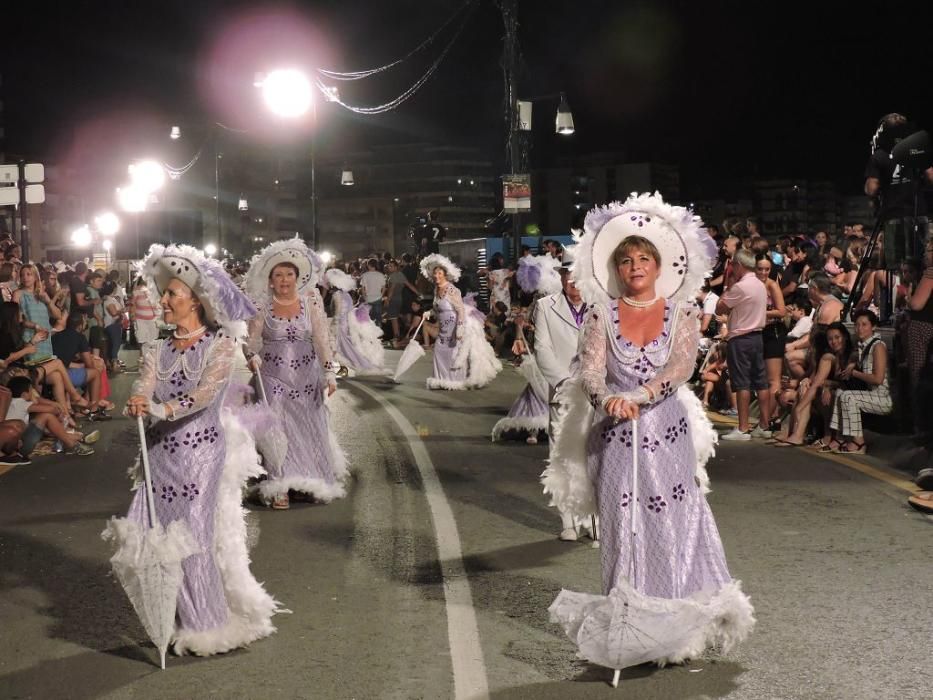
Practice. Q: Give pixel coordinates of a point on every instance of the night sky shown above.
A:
(727, 90)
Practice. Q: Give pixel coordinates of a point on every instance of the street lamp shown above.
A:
(147, 175)
(564, 121)
(81, 236)
(287, 92)
(346, 177)
(210, 249)
(107, 223)
(175, 133)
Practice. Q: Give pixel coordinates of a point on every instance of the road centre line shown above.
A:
(466, 654)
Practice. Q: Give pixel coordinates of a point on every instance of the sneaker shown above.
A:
(736, 435)
(532, 439)
(81, 450)
(91, 437)
(729, 412)
(14, 460)
(760, 433)
(99, 416)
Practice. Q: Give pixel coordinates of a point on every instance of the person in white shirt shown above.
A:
(373, 282)
(558, 323)
(801, 313)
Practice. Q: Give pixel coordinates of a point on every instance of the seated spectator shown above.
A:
(43, 417)
(865, 382)
(709, 323)
(833, 350)
(715, 378)
(84, 369)
(495, 325)
(800, 311)
(11, 430)
(828, 310)
(13, 353)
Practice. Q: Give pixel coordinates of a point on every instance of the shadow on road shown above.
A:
(84, 602)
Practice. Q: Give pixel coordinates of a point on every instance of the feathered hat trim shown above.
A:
(437, 260)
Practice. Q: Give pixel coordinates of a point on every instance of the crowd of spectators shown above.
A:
(776, 337)
(61, 330)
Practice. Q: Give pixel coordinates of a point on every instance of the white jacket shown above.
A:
(556, 338)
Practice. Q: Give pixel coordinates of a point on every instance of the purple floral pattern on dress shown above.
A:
(656, 504)
(679, 493)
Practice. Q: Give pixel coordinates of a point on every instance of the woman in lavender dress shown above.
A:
(199, 454)
(289, 346)
(638, 348)
(462, 357)
(356, 338)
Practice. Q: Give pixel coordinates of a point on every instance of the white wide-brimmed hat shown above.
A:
(437, 260)
(340, 279)
(224, 304)
(687, 252)
(292, 251)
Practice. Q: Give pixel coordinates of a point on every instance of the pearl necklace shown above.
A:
(639, 304)
(188, 336)
(284, 303)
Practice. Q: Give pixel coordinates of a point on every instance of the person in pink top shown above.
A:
(746, 303)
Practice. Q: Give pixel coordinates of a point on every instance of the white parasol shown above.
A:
(627, 627)
(272, 443)
(148, 563)
(413, 352)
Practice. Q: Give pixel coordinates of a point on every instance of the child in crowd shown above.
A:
(42, 417)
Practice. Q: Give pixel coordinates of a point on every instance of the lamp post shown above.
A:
(288, 93)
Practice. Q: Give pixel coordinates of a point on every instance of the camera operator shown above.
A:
(895, 189)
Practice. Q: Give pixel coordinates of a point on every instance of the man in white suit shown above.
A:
(558, 320)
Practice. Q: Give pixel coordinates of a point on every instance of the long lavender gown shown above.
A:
(364, 353)
(295, 353)
(450, 313)
(676, 552)
(197, 480)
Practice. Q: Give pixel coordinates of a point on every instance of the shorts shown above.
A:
(774, 337)
(745, 358)
(394, 308)
(30, 438)
(78, 376)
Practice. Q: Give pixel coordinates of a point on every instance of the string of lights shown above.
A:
(406, 94)
(359, 75)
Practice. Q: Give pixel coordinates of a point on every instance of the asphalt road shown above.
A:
(838, 568)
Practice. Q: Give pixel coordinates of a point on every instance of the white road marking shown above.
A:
(466, 654)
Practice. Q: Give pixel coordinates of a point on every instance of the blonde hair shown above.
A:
(639, 243)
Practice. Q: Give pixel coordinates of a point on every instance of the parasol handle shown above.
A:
(418, 329)
(262, 388)
(634, 500)
(144, 453)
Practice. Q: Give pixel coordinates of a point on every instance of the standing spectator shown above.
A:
(746, 302)
(78, 286)
(919, 336)
(113, 324)
(95, 319)
(38, 310)
(775, 331)
(373, 283)
(396, 285)
(721, 273)
(7, 285)
(145, 313)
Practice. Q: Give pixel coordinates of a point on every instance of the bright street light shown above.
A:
(210, 249)
(287, 92)
(326, 257)
(147, 175)
(132, 199)
(108, 245)
(175, 133)
(107, 223)
(81, 236)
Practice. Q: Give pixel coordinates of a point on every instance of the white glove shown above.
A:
(460, 332)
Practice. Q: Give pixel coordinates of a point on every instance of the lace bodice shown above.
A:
(452, 296)
(651, 372)
(311, 317)
(207, 364)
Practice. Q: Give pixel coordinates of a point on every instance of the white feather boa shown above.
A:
(476, 354)
(566, 479)
(365, 337)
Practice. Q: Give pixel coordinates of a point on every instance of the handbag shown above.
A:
(860, 384)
